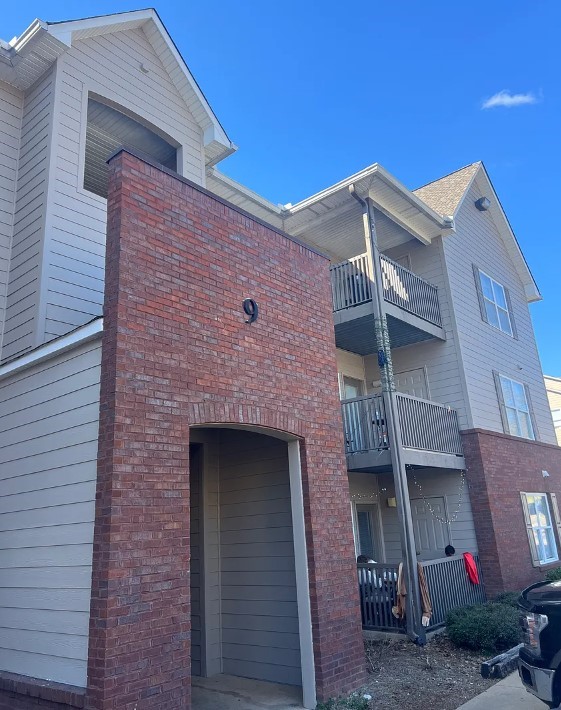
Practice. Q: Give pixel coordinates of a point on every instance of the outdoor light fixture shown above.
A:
(483, 204)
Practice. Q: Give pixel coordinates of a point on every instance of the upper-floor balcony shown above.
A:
(411, 304)
(430, 433)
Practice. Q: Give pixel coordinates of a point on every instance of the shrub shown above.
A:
(353, 702)
(489, 627)
(508, 598)
(554, 575)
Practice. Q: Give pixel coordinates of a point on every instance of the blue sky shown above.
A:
(312, 92)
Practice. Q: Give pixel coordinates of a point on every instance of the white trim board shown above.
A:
(81, 335)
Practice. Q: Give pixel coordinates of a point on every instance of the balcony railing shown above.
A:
(364, 421)
(447, 582)
(424, 425)
(350, 286)
(409, 291)
(428, 425)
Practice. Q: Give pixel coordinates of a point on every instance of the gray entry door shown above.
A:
(431, 534)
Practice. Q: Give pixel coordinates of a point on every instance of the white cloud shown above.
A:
(508, 100)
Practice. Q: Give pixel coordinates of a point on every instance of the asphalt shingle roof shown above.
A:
(444, 195)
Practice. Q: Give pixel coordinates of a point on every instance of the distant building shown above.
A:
(553, 389)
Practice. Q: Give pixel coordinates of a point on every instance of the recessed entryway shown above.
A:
(249, 588)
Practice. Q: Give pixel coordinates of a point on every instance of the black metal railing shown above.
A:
(448, 584)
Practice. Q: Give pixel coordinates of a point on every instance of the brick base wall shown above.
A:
(499, 467)
(19, 692)
(177, 351)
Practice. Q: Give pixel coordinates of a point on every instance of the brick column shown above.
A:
(139, 643)
(177, 352)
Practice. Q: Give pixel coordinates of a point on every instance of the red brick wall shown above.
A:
(176, 352)
(499, 467)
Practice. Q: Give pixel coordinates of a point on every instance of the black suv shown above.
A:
(539, 663)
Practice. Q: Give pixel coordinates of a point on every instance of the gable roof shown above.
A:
(28, 57)
(445, 194)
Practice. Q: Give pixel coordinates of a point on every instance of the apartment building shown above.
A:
(553, 389)
(195, 442)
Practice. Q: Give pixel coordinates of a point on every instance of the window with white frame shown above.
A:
(515, 407)
(495, 302)
(540, 527)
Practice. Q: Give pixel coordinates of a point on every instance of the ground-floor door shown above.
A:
(432, 533)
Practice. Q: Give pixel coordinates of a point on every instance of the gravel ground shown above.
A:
(436, 677)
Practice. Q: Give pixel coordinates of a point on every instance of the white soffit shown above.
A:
(388, 194)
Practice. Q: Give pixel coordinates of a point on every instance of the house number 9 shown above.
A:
(250, 309)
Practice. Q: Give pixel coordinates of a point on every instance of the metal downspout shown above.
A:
(415, 629)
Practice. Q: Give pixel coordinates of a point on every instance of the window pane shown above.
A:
(492, 316)
(526, 428)
(519, 396)
(504, 321)
(513, 425)
(500, 299)
(508, 395)
(548, 545)
(486, 286)
(365, 542)
(543, 508)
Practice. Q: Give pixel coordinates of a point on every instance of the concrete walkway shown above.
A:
(507, 694)
(226, 692)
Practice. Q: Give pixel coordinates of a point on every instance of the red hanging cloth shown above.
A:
(471, 568)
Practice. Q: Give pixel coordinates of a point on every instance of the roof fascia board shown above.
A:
(400, 223)
(219, 134)
(28, 34)
(245, 191)
(323, 194)
(389, 179)
(63, 29)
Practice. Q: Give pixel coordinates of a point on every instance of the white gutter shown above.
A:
(82, 335)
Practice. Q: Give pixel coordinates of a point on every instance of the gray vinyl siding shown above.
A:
(109, 66)
(29, 219)
(260, 636)
(48, 452)
(440, 358)
(434, 483)
(11, 107)
(483, 347)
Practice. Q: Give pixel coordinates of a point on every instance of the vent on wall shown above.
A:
(108, 129)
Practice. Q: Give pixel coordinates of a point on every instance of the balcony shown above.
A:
(429, 431)
(448, 587)
(411, 304)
